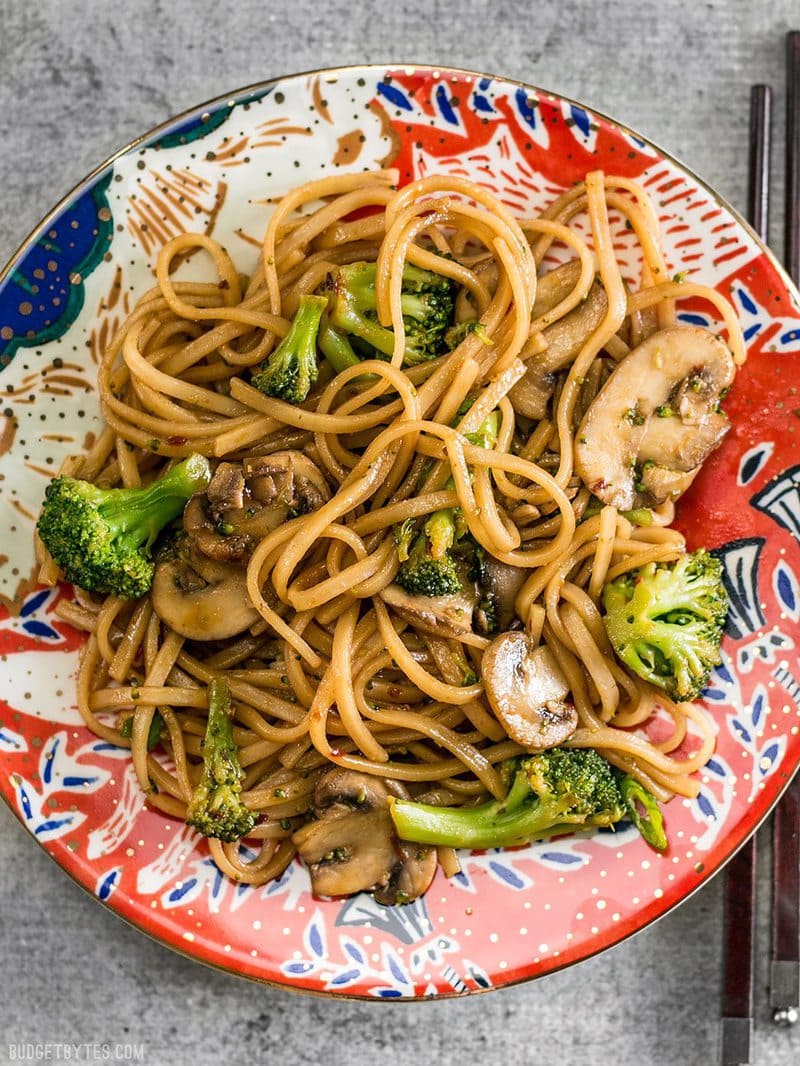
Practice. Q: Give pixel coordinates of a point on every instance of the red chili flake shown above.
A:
(177, 441)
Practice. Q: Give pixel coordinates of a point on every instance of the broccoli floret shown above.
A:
(290, 371)
(550, 793)
(101, 538)
(461, 330)
(215, 808)
(429, 568)
(428, 304)
(665, 622)
(643, 811)
(486, 434)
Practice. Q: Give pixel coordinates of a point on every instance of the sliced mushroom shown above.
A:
(411, 875)
(499, 584)
(444, 616)
(351, 846)
(555, 286)
(565, 338)
(245, 501)
(528, 692)
(200, 598)
(656, 419)
(659, 483)
(682, 446)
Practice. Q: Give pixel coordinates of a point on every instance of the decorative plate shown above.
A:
(510, 915)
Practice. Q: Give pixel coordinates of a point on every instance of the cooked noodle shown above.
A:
(329, 673)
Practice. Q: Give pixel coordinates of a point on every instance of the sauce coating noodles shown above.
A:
(328, 672)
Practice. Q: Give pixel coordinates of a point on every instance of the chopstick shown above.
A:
(740, 878)
(784, 971)
(792, 223)
(784, 978)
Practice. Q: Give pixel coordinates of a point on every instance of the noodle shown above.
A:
(329, 671)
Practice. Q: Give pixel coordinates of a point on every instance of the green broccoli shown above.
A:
(428, 565)
(432, 565)
(154, 734)
(336, 348)
(551, 793)
(665, 622)
(643, 811)
(290, 371)
(486, 434)
(101, 538)
(428, 304)
(458, 333)
(216, 809)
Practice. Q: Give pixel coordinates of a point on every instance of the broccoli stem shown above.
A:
(216, 809)
(487, 432)
(644, 812)
(154, 734)
(291, 370)
(137, 516)
(336, 348)
(441, 532)
(517, 819)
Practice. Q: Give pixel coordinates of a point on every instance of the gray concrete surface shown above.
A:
(78, 80)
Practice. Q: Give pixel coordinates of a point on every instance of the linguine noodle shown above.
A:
(328, 672)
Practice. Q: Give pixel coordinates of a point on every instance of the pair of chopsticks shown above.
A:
(740, 884)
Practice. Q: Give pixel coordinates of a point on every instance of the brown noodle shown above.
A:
(330, 675)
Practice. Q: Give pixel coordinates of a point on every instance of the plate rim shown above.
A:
(233, 98)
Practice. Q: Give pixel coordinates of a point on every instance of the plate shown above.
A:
(510, 915)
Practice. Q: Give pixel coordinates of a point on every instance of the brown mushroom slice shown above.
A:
(200, 598)
(682, 446)
(443, 616)
(246, 501)
(351, 845)
(411, 874)
(347, 853)
(226, 489)
(289, 478)
(528, 692)
(499, 584)
(609, 453)
(565, 338)
(659, 483)
(555, 286)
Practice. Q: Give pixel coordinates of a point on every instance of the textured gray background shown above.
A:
(77, 81)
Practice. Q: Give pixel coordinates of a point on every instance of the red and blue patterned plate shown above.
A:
(510, 915)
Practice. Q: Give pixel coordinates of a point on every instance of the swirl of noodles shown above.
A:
(331, 673)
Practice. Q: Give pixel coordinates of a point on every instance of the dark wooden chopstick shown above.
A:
(784, 972)
(760, 158)
(792, 221)
(784, 978)
(740, 879)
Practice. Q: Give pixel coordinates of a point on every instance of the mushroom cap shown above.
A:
(443, 616)
(565, 338)
(500, 582)
(555, 286)
(200, 598)
(246, 501)
(351, 845)
(528, 692)
(411, 875)
(347, 852)
(622, 429)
